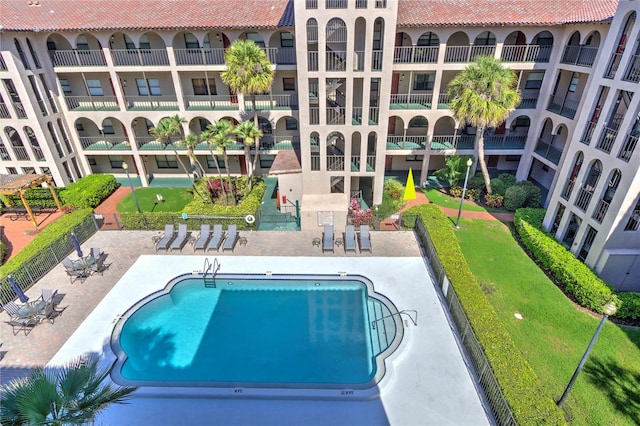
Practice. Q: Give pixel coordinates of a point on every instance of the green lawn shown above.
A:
(174, 200)
(554, 333)
(441, 199)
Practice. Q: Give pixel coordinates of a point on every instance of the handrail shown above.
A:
(404, 311)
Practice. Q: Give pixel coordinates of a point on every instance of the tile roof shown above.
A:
(70, 15)
(440, 13)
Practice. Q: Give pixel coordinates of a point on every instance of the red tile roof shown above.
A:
(440, 13)
(69, 15)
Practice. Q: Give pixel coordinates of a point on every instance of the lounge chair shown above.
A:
(181, 239)
(232, 238)
(349, 238)
(365, 238)
(327, 238)
(203, 238)
(166, 239)
(74, 272)
(49, 313)
(216, 238)
(98, 267)
(19, 323)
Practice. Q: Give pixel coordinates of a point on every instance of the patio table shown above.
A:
(30, 309)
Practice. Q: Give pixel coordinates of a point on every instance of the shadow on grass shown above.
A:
(619, 384)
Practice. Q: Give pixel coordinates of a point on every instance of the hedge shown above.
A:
(574, 277)
(37, 197)
(89, 191)
(529, 401)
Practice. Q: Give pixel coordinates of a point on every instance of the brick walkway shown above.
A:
(19, 233)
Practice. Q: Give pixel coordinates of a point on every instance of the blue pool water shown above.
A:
(255, 332)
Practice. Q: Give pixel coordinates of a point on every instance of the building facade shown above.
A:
(360, 93)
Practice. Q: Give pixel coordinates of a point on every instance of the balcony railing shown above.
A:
(607, 138)
(629, 145)
(3, 65)
(443, 101)
(587, 135)
(199, 56)
(335, 115)
(20, 111)
(583, 198)
(281, 55)
(526, 53)
(37, 151)
(376, 60)
(568, 189)
(139, 57)
(78, 58)
(374, 116)
(549, 152)
(336, 60)
(21, 153)
(415, 54)
(600, 211)
(448, 142)
(152, 103)
(583, 56)
(314, 115)
(312, 61)
(336, 4)
(614, 64)
(211, 103)
(270, 102)
(279, 142)
(492, 142)
(315, 162)
(4, 111)
(92, 103)
(358, 60)
(406, 142)
(371, 163)
(361, 4)
(105, 143)
(335, 162)
(418, 101)
(565, 108)
(528, 99)
(632, 73)
(457, 53)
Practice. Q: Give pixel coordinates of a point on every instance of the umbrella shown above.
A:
(76, 244)
(16, 288)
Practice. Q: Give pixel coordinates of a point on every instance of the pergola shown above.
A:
(19, 184)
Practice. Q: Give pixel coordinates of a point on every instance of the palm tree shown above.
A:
(250, 134)
(222, 130)
(207, 136)
(453, 170)
(73, 394)
(248, 72)
(191, 141)
(482, 95)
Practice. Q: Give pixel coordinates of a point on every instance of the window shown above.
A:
(94, 87)
(200, 86)
(286, 39)
(150, 86)
(266, 161)
(574, 83)
(79, 126)
(255, 37)
(418, 122)
(486, 38)
(211, 162)
(428, 39)
(66, 86)
(23, 57)
(534, 80)
(144, 42)
(12, 170)
(36, 61)
(29, 170)
(82, 43)
(129, 44)
(166, 161)
(414, 157)
(291, 123)
(512, 158)
(191, 41)
(92, 161)
(116, 161)
(423, 81)
(107, 127)
(544, 39)
(288, 83)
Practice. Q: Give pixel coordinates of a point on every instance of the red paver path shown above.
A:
(421, 198)
(108, 208)
(19, 233)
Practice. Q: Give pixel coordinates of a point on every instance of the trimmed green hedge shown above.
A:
(528, 400)
(574, 277)
(3, 251)
(89, 191)
(630, 308)
(36, 197)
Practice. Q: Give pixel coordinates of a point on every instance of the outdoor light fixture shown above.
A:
(464, 190)
(125, 166)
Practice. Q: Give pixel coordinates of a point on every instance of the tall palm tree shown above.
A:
(248, 72)
(73, 394)
(482, 95)
(207, 136)
(222, 131)
(250, 134)
(191, 141)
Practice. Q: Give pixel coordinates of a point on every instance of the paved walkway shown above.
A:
(18, 233)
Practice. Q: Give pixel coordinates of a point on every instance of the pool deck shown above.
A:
(427, 381)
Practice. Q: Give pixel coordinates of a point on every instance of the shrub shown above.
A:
(455, 191)
(89, 191)
(514, 198)
(472, 194)
(498, 186)
(528, 400)
(508, 179)
(533, 194)
(494, 200)
(630, 306)
(476, 182)
(36, 197)
(3, 251)
(394, 189)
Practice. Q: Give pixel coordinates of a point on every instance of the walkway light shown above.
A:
(464, 190)
(125, 166)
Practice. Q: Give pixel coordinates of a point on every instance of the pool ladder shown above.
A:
(209, 271)
(407, 312)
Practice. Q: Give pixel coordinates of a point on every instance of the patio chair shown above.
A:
(17, 322)
(365, 238)
(49, 313)
(98, 267)
(349, 238)
(181, 239)
(327, 238)
(232, 238)
(166, 239)
(203, 238)
(216, 238)
(74, 272)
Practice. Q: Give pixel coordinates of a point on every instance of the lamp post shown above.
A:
(125, 166)
(464, 190)
(609, 309)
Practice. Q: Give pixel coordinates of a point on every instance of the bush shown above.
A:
(514, 198)
(476, 182)
(630, 306)
(533, 194)
(89, 191)
(498, 186)
(394, 188)
(508, 179)
(36, 197)
(494, 200)
(3, 251)
(455, 191)
(528, 400)
(473, 194)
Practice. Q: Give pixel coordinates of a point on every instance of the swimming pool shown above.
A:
(262, 331)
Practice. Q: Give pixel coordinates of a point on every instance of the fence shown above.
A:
(487, 381)
(39, 265)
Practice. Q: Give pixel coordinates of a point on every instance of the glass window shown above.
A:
(574, 83)
(92, 161)
(428, 39)
(414, 157)
(423, 81)
(116, 161)
(166, 161)
(82, 43)
(95, 88)
(418, 122)
(200, 86)
(144, 42)
(142, 87)
(266, 161)
(128, 42)
(66, 86)
(255, 37)
(36, 61)
(291, 123)
(154, 87)
(107, 127)
(191, 41)
(211, 163)
(288, 83)
(286, 39)
(485, 38)
(534, 80)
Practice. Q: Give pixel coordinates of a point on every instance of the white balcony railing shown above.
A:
(140, 57)
(92, 103)
(526, 53)
(415, 54)
(77, 58)
(199, 56)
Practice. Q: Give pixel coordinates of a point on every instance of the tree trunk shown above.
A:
(256, 141)
(483, 164)
(215, 159)
(226, 164)
(195, 189)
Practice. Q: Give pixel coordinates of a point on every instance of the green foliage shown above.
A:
(528, 400)
(574, 277)
(476, 182)
(630, 306)
(533, 194)
(89, 191)
(508, 179)
(514, 198)
(394, 189)
(494, 200)
(36, 197)
(455, 191)
(3, 251)
(454, 169)
(473, 194)
(498, 186)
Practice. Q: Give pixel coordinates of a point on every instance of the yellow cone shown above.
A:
(410, 189)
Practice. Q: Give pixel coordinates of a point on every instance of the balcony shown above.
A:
(526, 53)
(21, 153)
(272, 102)
(3, 65)
(494, 142)
(199, 56)
(376, 60)
(587, 135)
(632, 73)
(311, 4)
(374, 116)
(281, 55)
(449, 142)
(564, 108)
(312, 61)
(583, 56)
(336, 4)
(105, 143)
(628, 147)
(92, 103)
(600, 211)
(152, 103)
(140, 57)
(211, 103)
(528, 99)
(335, 163)
(443, 101)
(336, 60)
(415, 54)
(20, 111)
(567, 190)
(421, 101)
(614, 64)
(279, 142)
(406, 142)
(4, 111)
(584, 198)
(607, 138)
(462, 54)
(335, 115)
(78, 58)
(548, 152)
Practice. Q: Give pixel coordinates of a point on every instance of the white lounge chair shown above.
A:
(216, 238)
(365, 238)
(327, 238)
(181, 239)
(165, 240)
(232, 238)
(349, 238)
(203, 238)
